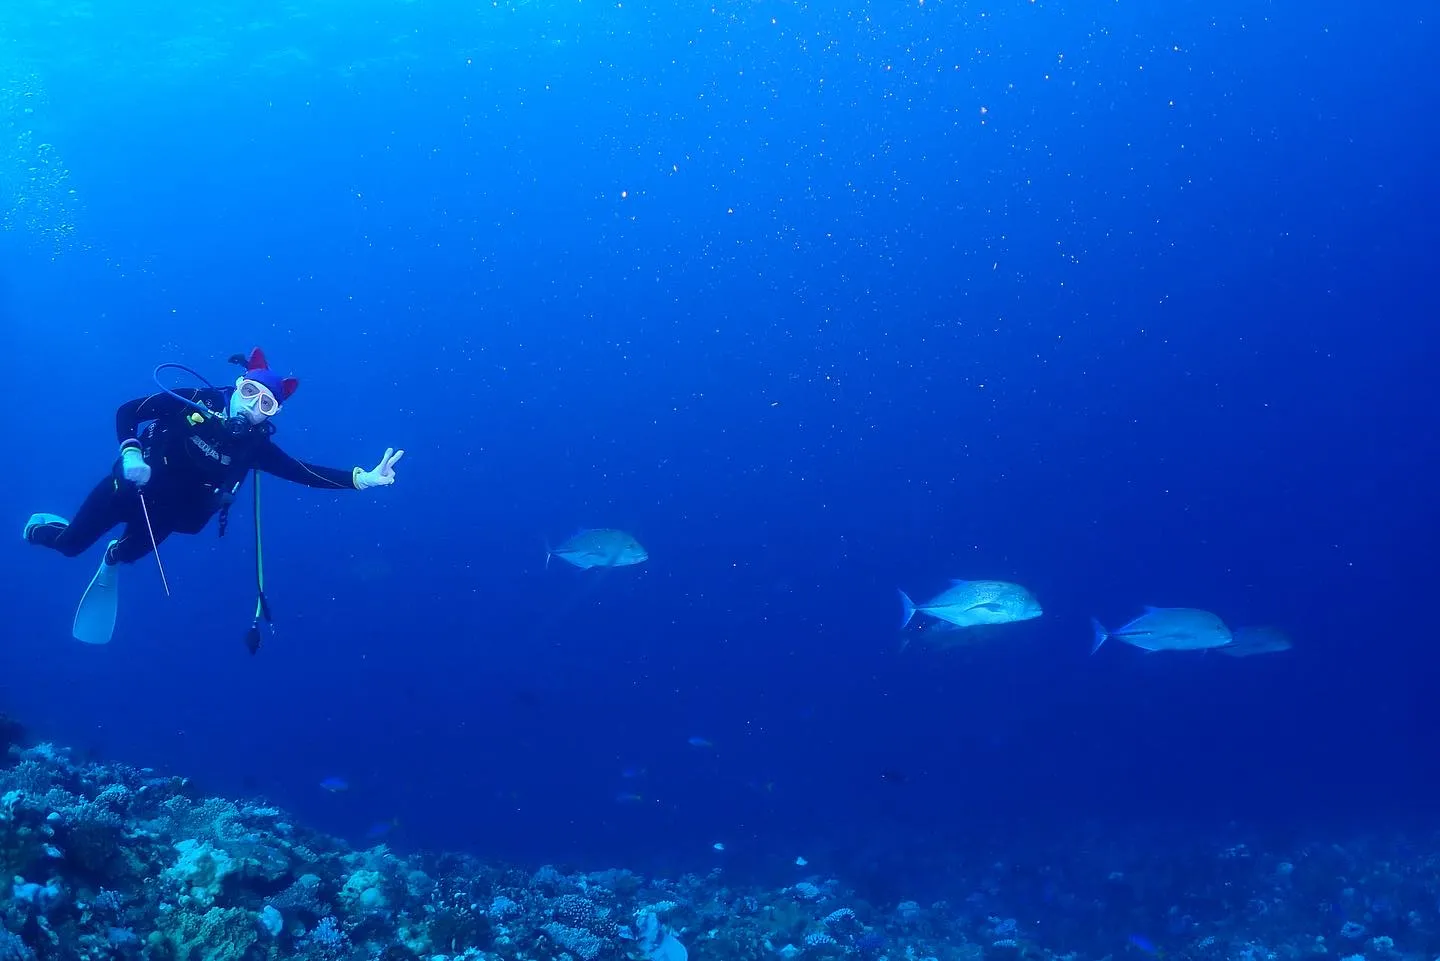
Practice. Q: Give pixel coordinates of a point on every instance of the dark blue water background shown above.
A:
(1129, 303)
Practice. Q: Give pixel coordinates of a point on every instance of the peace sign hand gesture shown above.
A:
(384, 473)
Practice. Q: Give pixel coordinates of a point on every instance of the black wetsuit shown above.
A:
(196, 468)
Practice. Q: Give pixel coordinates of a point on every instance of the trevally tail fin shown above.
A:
(909, 609)
(1100, 635)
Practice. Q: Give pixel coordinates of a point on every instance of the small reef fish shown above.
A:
(1146, 945)
(335, 784)
(945, 636)
(1250, 641)
(381, 829)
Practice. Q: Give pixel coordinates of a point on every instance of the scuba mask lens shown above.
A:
(265, 401)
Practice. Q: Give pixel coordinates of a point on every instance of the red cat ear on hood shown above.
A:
(287, 387)
(256, 360)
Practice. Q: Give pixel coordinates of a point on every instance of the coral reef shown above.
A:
(113, 862)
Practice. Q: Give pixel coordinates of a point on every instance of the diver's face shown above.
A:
(252, 401)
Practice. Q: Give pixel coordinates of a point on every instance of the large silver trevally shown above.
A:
(972, 603)
(601, 547)
(1168, 629)
(1257, 640)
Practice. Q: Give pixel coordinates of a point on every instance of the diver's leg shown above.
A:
(169, 509)
(102, 510)
(134, 543)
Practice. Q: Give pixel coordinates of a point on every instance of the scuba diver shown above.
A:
(185, 466)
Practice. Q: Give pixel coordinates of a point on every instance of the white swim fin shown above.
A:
(95, 618)
(38, 521)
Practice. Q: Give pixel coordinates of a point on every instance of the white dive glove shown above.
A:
(133, 464)
(382, 476)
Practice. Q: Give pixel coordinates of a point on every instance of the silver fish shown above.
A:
(946, 636)
(971, 603)
(1168, 629)
(601, 547)
(1257, 640)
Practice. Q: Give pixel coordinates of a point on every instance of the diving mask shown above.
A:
(258, 396)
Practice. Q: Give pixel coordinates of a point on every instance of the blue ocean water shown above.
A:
(1128, 303)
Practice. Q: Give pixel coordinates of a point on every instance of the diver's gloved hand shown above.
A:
(132, 462)
(384, 473)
